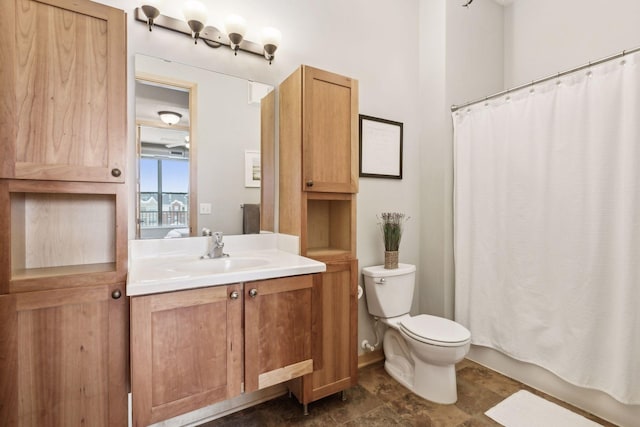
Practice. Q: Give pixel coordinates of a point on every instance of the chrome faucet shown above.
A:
(216, 246)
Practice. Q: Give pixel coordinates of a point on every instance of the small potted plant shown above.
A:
(391, 225)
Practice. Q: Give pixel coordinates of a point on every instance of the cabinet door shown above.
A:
(63, 91)
(64, 357)
(277, 330)
(330, 132)
(186, 351)
(335, 314)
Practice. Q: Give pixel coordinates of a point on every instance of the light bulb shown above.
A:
(151, 9)
(196, 15)
(271, 38)
(235, 27)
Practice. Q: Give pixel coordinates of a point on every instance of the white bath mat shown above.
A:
(524, 409)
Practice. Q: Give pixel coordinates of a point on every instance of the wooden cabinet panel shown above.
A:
(64, 357)
(330, 132)
(277, 330)
(268, 161)
(188, 351)
(335, 334)
(318, 135)
(63, 91)
(64, 340)
(318, 178)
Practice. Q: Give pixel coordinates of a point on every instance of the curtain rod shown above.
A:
(544, 79)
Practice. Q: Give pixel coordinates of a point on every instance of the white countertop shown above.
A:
(165, 265)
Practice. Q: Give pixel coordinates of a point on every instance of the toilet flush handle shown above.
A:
(382, 281)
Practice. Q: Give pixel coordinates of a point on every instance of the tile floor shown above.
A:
(378, 400)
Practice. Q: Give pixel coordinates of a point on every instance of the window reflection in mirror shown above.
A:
(164, 202)
(164, 183)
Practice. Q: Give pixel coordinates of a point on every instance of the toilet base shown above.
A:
(436, 383)
(403, 376)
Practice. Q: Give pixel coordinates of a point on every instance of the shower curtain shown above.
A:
(547, 226)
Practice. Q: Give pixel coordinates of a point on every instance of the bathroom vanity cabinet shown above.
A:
(318, 179)
(64, 340)
(195, 347)
(63, 89)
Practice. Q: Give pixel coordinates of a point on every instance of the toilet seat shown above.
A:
(435, 330)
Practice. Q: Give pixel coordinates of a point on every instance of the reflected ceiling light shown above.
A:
(196, 16)
(169, 117)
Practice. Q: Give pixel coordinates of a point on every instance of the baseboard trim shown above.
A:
(369, 358)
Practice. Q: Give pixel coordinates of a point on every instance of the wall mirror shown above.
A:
(212, 166)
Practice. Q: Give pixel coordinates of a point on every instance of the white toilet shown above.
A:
(420, 351)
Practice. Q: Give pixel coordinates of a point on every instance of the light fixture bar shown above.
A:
(210, 35)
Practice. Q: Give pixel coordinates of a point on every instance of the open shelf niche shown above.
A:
(65, 232)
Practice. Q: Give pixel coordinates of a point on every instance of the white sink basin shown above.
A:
(221, 265)
(167, 265)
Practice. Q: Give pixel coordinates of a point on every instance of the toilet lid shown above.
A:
(435, 330)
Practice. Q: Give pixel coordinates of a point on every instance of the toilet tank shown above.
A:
(389, 291)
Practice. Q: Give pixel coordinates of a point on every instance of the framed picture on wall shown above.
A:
(380, 148)
(251, 168)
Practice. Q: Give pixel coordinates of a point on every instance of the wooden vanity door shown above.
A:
(330, 132)
(63, 84)
(277, 330)
(64, 357)
(186, 351)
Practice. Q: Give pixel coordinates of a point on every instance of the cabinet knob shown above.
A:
(116, 172)
(309, 183)
(116, 294)
(234, 295)
(253, 293)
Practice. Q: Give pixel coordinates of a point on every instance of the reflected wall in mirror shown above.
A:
(224, 122)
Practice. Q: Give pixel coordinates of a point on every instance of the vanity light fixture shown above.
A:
(151, 9)
(195, 25)
(169, 117)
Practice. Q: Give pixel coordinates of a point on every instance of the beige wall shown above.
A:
(543, 37)
(461, 58)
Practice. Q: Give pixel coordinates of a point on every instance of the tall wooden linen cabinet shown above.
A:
(63, 228)
(318, 182)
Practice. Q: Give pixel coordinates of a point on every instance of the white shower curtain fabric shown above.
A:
(547, 226)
